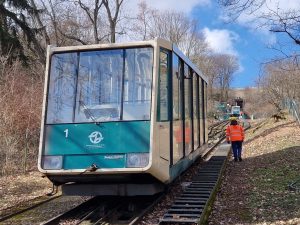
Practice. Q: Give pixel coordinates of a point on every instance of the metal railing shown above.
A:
(293, 107)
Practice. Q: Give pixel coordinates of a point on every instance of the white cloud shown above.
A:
(221, 40)
(182, 5)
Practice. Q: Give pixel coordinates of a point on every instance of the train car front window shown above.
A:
(137, 84)
(62, 87)
(99, 86)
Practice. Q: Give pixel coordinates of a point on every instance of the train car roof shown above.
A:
(156, 42)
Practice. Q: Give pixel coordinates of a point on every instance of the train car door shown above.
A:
(164, 105)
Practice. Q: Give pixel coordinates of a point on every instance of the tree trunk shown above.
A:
(113, 34)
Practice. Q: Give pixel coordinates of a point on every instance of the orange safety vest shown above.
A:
(235, 133)
(187, 135)
(178, 135)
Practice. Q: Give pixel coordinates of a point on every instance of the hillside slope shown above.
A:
(256, 191)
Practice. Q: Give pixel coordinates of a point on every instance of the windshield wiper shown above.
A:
(88, 111)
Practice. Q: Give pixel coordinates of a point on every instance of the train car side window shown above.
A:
(196, 111)
(203, 106)
(187, 110)
(176, 88)
(163, 84)
(177, 122)
(200, 113)
(205, 109)
(62, 88)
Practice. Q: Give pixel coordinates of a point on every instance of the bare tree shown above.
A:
(113, 16)
(219, 68)
(141, 25)
(237, 7)
(72, 22)
(170, 25)
(50, 8)
(176, 27)
(37, 19)
(279, 81)
(66, 23)
(226, 66)
(193, 43)
(274, 17)
(209, 68)
(21, 97)
(93, 15)
(52, 18)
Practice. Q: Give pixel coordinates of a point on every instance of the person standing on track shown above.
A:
(235, 135)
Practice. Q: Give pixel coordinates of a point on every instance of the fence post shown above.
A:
(296, 110)
(293, 107)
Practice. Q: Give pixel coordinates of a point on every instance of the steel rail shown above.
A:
(108, 210)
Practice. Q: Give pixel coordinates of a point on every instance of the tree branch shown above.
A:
(72, 37)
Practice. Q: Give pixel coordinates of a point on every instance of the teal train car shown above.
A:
(122, 118)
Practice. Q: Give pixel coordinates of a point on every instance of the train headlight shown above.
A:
(137, 160)
(52, 162)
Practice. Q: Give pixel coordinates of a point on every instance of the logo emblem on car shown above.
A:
(96, 137)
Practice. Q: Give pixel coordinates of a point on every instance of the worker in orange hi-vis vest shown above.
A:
(235, 135)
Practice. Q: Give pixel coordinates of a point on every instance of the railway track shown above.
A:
(217, 130)
(107, 210)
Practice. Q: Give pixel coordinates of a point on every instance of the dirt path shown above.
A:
(255, 191)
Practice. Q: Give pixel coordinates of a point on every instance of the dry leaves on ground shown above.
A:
(255, 191)
(15, 189)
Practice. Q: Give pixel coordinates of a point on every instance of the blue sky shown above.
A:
(251, 44)
(242, 38)
(248, 45)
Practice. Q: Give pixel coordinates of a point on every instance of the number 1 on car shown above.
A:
(66, 133)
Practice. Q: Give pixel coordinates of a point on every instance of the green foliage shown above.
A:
(19, 4)
(14, 29)
(10, 44)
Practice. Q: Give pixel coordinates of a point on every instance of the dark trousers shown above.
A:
(237, 149)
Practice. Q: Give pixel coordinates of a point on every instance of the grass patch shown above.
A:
(270, 191)
(244, 214)
(275, 178)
